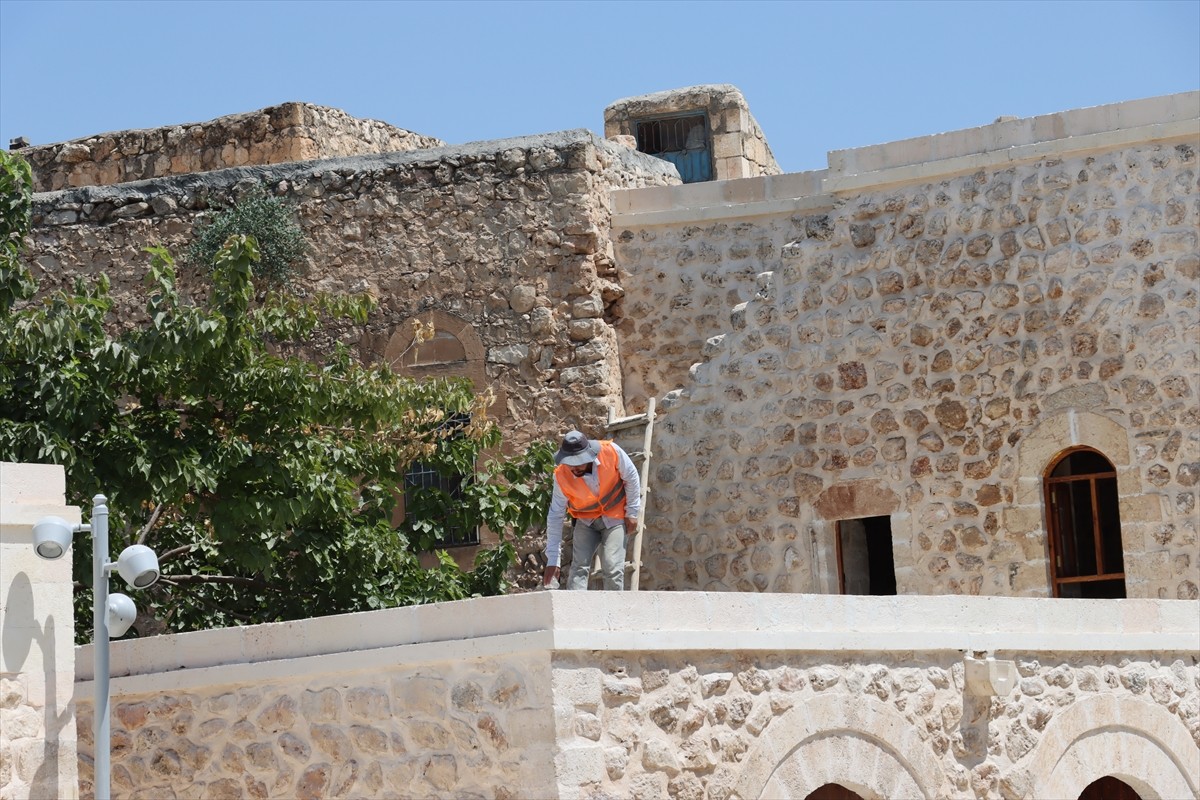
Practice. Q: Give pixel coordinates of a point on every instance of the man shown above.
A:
(598, 484)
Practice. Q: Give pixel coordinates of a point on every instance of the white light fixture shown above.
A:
(138, 565)
(987, 677)
(52, 536)
(120, 612)
(112, 614)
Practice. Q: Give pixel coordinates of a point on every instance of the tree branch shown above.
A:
(234, 580)
(145, 531)
(214, 607)
(174, 552)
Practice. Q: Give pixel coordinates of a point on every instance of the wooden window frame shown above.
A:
(1053, 531)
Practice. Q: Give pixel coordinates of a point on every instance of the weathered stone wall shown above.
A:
(287, 132)
(922, 347)
(710, 726)
(37, 650)
(470, 728)
(739, 147)
(508, 238)
(650, 695)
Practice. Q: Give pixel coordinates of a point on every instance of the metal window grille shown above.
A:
(682, 140)
(422, 476)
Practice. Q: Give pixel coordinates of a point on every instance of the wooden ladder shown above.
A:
(641, 458)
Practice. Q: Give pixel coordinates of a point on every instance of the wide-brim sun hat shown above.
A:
(577, 450)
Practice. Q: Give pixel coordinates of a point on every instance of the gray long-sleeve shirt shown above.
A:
(558, 504)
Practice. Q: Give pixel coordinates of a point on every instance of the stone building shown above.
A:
(960, 369)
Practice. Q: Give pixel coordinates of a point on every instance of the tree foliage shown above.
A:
(266, 218)
(265, 482)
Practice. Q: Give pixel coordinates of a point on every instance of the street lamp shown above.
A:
(112, 614)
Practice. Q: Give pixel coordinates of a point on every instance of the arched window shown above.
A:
(1086, 558)
(1109, 788)
(833, 791)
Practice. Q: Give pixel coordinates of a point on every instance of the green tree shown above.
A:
(269, 220)
(265, 482)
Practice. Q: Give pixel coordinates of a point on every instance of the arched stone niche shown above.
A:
(855, 500)
(1025, 520)
(1134, 740)
(455, 349)
(858, 742)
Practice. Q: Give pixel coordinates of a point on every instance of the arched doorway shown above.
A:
(835, 791)
(1084, 526)
(1109, 788)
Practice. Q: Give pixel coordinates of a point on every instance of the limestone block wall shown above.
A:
(921, 341)
(506, 243)
(648, 695)
(359, 706)
(274, 135)
(739, 147)
(37, 641)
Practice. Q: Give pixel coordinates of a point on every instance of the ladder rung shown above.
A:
(626, 422)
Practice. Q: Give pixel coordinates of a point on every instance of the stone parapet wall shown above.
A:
(279, 134)
(466, 728)
(509, 238)
(646, 695)
(37, 654)
(922, 350)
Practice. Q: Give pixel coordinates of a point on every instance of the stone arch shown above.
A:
(1071, 428)
(858, 742)
(1041, 446)
(1137, 741)
(456, 348)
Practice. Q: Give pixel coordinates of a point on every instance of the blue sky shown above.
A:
(818, 76)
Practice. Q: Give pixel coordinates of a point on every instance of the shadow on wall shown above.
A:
(20, 633)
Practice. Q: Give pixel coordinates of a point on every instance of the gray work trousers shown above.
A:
(611, 542)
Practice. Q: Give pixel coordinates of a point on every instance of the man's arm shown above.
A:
(633, 488)
(554, 527)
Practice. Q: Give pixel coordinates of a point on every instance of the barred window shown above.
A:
(682, 140)
(422, 476)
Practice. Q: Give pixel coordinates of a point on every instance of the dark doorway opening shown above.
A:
(1109, 788)
(833, 791)
(864, 556)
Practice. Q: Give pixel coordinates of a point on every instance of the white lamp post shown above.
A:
(112, 614)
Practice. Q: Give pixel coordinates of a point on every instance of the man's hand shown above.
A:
(630, 526)
(550, 575)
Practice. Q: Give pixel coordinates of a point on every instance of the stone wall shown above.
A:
(649, 695)
(739, 147)
(919, 340)
(471, 728)
(287, 132)
(504, 241)
(37, 651)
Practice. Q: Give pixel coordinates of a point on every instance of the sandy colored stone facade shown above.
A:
(37, 648)
(287, 132)
(921, 348)
(663, 695)
(739, 148)
(469, 728)
(504, 245)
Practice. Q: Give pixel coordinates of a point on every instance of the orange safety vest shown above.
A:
(582, 502)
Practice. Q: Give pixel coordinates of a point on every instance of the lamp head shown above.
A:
(138, 565)
(119, 614)
(52, 537)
